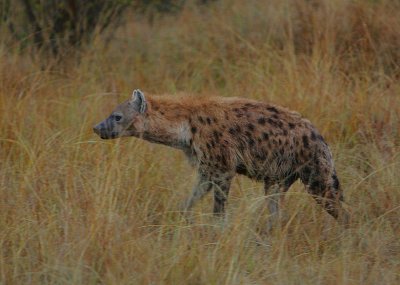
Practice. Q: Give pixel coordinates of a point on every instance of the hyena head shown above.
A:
(128, 119)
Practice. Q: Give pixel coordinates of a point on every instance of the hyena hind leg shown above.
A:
(275, 193)
(221, 192)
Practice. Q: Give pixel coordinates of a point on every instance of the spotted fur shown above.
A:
(223, 137)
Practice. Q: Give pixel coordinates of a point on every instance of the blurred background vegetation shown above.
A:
(54, 25)
(360, 31)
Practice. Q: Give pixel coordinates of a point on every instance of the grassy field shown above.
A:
(78, 210)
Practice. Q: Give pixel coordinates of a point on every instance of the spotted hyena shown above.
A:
(225, 136)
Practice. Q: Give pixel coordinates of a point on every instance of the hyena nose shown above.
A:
(97, 129)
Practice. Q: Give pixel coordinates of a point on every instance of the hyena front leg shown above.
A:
(203, 186)
(221, 183)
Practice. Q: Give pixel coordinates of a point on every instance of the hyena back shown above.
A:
(225, 136)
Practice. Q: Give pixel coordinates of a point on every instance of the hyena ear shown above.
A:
(139, 101)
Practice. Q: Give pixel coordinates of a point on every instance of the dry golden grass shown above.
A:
(77, 210)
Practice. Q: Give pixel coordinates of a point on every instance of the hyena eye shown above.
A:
(117, 118)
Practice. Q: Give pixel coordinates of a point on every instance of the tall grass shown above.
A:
(77, 210)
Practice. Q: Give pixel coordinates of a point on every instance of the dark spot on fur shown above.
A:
(191, 142)
(275, 116)
(215, 120)
(261, 156)
(305, 141)
(273, 109)
(241, 147)
(232, 131)
(250, 127)
(216, 135)
(201, 120)
(208, 146)
(251, 141)
(241, 169)
(336, 183)
(282, 151)
(265, 136)
(193, 129)
(285, 132)
(248, 134)
(162, 113)
(223, 159)
(292, 126)
(274, 123)
(209, 121)
(259, 140)
(261, 121)
(236, 110)
(306, 172)
(313, 136)
(238, 129)
(271, 122)
(316, 186)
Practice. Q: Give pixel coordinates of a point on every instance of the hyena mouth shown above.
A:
(113, 135)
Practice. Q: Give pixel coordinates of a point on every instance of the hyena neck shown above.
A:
(166, 123)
